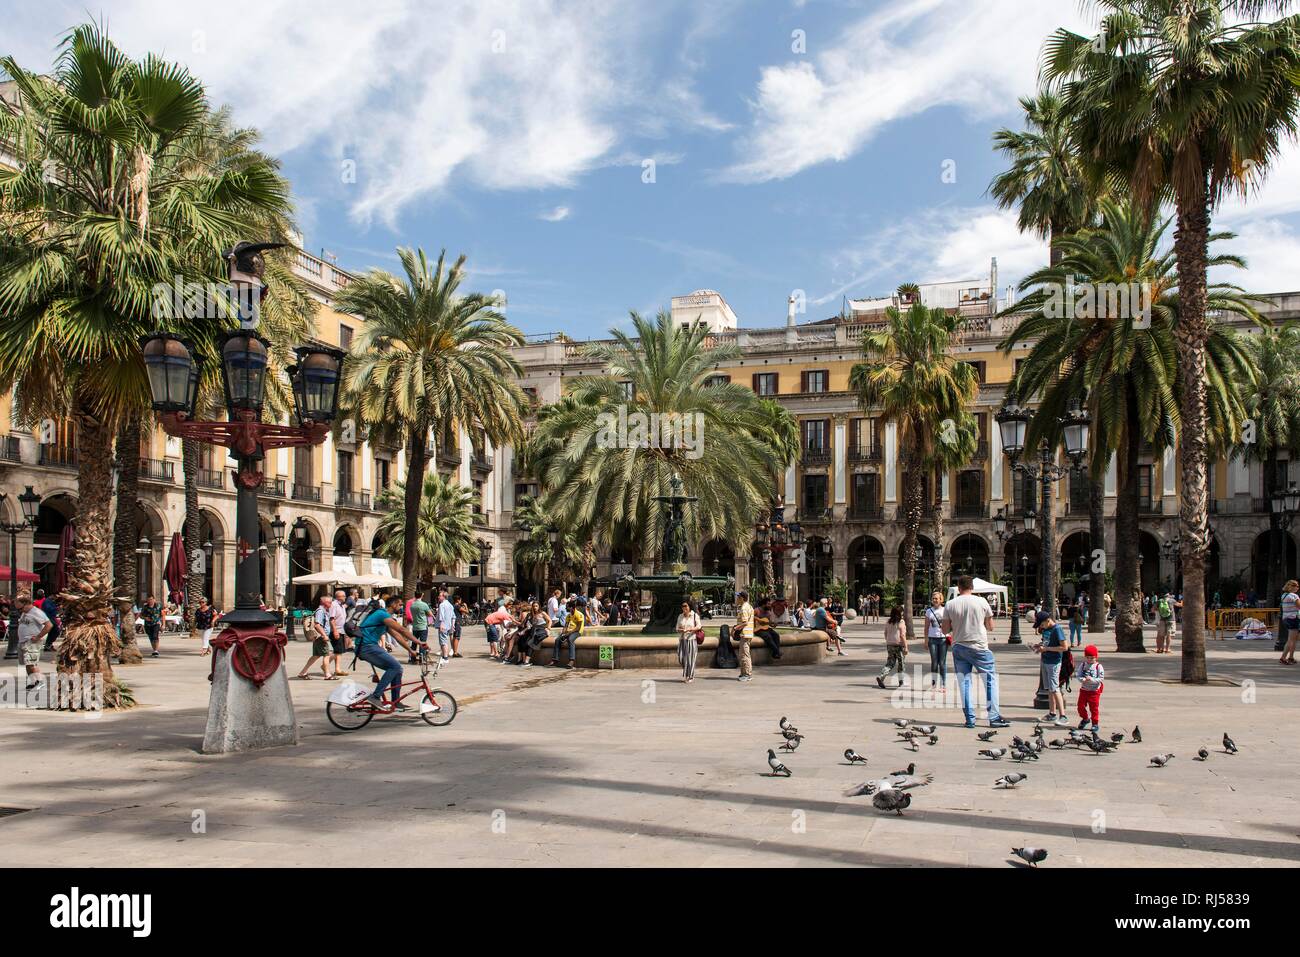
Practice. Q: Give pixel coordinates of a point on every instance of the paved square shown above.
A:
(630, 768)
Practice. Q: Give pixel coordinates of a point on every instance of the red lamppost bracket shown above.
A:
(244, 435)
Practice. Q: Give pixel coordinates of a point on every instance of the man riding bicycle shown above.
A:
(385, 620)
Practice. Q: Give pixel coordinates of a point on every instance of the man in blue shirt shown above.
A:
(1051, 649)
(446, 625)
(378, 622)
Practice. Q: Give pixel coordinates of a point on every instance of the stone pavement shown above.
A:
(629, 768)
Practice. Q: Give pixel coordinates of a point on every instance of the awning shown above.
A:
(6, 575)
(472, 581)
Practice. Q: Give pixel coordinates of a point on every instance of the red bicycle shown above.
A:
(437, 707)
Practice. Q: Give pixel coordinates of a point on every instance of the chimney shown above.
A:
(993, 286)
(791, 335)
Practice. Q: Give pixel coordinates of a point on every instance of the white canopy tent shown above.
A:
(996, 595)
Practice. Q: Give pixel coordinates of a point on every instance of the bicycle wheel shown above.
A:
(346, 718)
(446, 705)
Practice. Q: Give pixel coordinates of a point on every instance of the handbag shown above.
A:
(699, 636)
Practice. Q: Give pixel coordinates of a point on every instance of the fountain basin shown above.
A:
(633, 648)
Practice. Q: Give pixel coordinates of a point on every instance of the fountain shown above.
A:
(672, 589)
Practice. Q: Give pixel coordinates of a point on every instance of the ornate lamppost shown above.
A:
(30, 504)
(1285, 505)
(484, 552)
(250, 705)
(1005, 533)
(1013, 421)
(776, 537)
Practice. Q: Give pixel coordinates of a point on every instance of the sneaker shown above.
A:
(402, 707)
(970, 724)
(377, 703)
(155, 655)
(1062, 722)
(443, 660)
(1083, 724)
(880, 682)
(745, 678)
(999, 723)
(1049, 719)
(1096, 728)
(526, 664)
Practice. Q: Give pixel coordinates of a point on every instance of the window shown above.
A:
(1146, 484)
(344, 481)
(717, 380)
(970, 490)
(866, 493)
(765, 383)
(815, 434)
(1026, 492)
(981, 370)
(383, 474)
(525, 490)
(629, 390)
(1080, 493)
(816, 490)
(302, 470)
(814, 380)
(345, 337)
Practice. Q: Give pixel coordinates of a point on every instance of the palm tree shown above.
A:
(604, 461)
(444, 529)
(1121, 366)
(95, 220)
(1273, 404)
(429, 356)
(908, 374)
(1186, 99)
(554, 562)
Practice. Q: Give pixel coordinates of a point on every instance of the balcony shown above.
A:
(480, 462)
(866, 512)
(971, 510)
(157, 470)
(9, 450)
(981, 451)
(211, 478)
(346, 498)
(306, 493)
(816, 456)
(1151, 506)
(273, 487)
(816, 514)
(866, 454)
(58, 456)
(449, 458)
(478, 516)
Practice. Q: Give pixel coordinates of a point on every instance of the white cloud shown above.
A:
(896, 62)
(1271, 249)
(556, 215)
(936, 245)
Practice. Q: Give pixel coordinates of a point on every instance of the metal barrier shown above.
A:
(1226, 622)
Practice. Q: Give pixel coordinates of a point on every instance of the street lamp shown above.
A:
(484, 551)
(249, 649)
(1286, 505)
(1006, 533)
(30, 504)
(143, 550)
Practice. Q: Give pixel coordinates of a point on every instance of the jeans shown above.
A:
(1076, 632)
(938, 659)
(572, 638)
(374, 655)
(965, 660)
(894, 665)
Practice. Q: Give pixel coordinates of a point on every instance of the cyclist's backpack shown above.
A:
(1164, 609)
(352, 624)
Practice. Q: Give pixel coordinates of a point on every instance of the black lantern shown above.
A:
(1286, 502)
(277, 530)
(484, 551)
(315, 382)
(243, 370)
(1013, 421)
(1000, 522)
(796, 534)
(1031, 520)
(1075, 423)
(173, 374)
(761, 535)
(31, 505)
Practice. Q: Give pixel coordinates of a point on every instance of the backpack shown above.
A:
(1163, 608)
(352, 624)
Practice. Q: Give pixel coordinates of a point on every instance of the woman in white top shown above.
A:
(937, 642)
(1290, 619)
(688, 623)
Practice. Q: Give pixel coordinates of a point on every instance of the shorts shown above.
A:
(444, 639)
(339, 645)
(30, 652)
(493, 633)
(1051, 672)
(320, 647)
(1291, 624)
(421, 636)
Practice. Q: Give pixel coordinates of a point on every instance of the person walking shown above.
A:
(446, 625)
(419, 622)
(688, 628)
(1075, 614)
(1050, 650)
(937, 642)
(205, 616)
(896, 645)
(151, 615)
(1290, 626)
(338, 611)
(33, 626)
(968, 618)
(321, 650)
(745, 635)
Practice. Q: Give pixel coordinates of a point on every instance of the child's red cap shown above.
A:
(1091, 652)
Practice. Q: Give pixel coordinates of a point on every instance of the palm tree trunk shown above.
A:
(1047, 559)
(124, 558)
(1096, 540)
(90, 642)
(194, 581)
(1276, 548)
(912, 523)
(1191, 238)
(940, 545)
(768, 569)
(416, 460)
(1128, 571)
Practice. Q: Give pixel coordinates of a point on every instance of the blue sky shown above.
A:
(797, 145)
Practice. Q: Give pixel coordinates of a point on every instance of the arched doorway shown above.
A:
(866, 567)
(924, 583)
(1259, 565)
(1076, 563)
(1149, 562)
(346, 542)
(53, 517)
(969, 555)
(717, 558)
(1020, 567)
(819, 554)
(151, 546)
(212, 539)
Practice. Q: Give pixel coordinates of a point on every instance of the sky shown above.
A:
(591, 158)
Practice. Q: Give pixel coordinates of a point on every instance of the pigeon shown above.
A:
(1030, 855)
(1160, 760)
(934, 739)
(1136, 735)
(1228, 744)
(1056, 743)
(789, 733)
(1203, 755)
(1039, 743)
(1017, 741)
(897, 782)
(1021, 755)
(891, 799)
(907, 735)
(1117, 737)
(787, 726)
(1038, 730)
(1010, 780)
(775, 764)
(791, 742)
(986, 735)
(901, 723)
(994, 753)
(853, 757)
(912, 745)
(911, 769)
(924, 729)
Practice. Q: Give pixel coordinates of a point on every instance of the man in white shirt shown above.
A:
(33, 626)
(446, 625)
(553, 608)
(968, 618)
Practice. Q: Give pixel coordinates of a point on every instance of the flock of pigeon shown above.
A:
(890, 793)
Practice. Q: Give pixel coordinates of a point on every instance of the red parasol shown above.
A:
(6, 575)
(174, 571)
(67, 549)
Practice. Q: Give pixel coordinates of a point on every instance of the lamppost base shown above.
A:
(1041, 698)
(1014, 638)
(243, 716)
